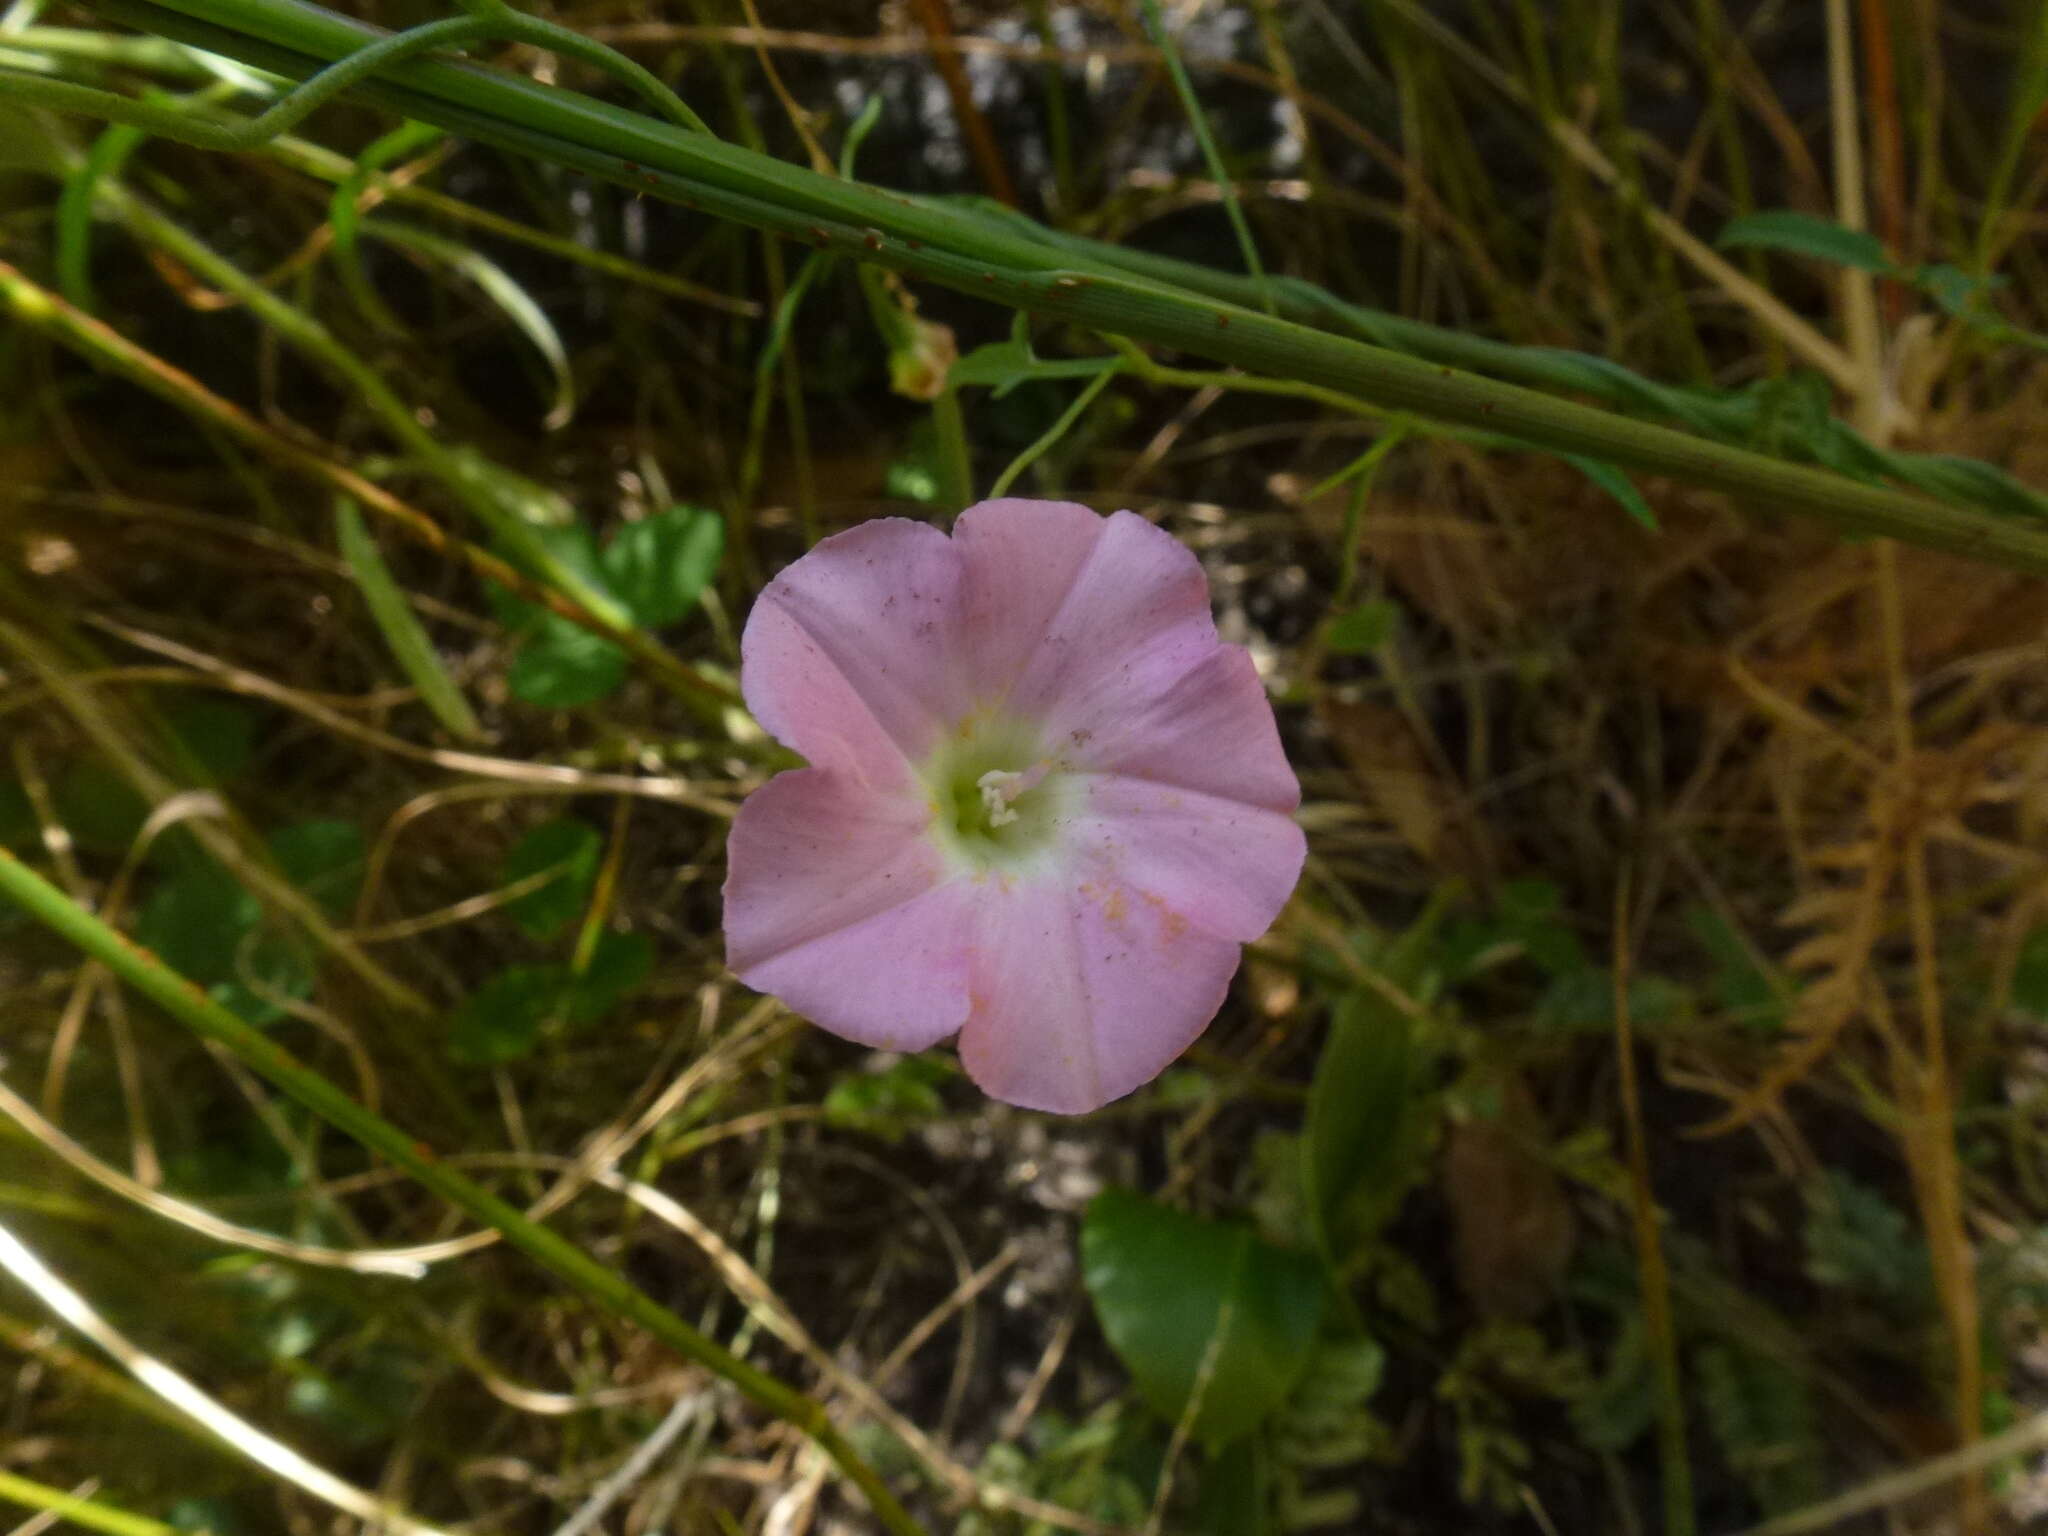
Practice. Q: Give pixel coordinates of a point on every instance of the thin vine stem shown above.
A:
(1198, 120)
(969, 250)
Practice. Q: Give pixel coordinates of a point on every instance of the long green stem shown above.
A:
(979, 254)
(88, 1514)
(1198, 120)
(610, 1290)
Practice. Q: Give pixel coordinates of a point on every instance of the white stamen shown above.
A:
(998, 788)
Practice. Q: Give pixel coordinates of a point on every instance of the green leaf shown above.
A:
(205, 926)
(1584, 1000)
(572, 851)
(2030, 976)
(1365, 628)
(219, 733)
(403, 633)
(1174, 1290)
(1529, 916)
(1762, 1416)
(619, 963)
(568, 544)
(890, 1102)
(195, 923)
(269, 965)
(1006, 364)
(1958, 293)
(1617, 485)
(325, 859)
(566, 667)
(1234, 1498)
(1859, 1242)
(1740, 984)
(501, 1021)
(1619, 1408)
(661, 565)
(1801, 234)
(1355, 1110)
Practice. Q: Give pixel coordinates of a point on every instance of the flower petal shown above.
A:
(1081, 996)
(1222, 865)
(838, 903)
(1083, 628)
(1020, 560)
(1211, 730)
(849, 654)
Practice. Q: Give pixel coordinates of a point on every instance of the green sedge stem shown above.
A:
(979, 254)
(88, 1514)
(1053, 433)
(1155, 25)
(956, 461)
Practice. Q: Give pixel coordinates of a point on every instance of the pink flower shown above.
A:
(1045, 809)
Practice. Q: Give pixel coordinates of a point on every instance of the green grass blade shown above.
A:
(402, 630)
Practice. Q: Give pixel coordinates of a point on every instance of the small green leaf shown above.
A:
(101, 810)
(567, 545)
(915, 473)
(1859, 1242)
(220, 733)
(502, 1019)
(1234, 1498)
(566, 667)
(1584, 1000)
(1529, 916)
(1762, 1416)
(195, 923)
(619, 963)
(571, 851)
(1365, 628)
(1173, 1290)
(206, 1517)
(890, 1102)
(269, 965)
(1355, 1110)
(1006, 364)
(1957, 292)
(1801, 234)
(325, 859)
(1619, 1408)
(1617, 485)
(206, 927)
(661, 565)
(1740, 984)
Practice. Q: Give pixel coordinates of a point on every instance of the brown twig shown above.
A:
(936, 17)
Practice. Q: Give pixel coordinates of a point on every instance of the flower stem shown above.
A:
(1007, 261)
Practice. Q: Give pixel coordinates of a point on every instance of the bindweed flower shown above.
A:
(1045, 808)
